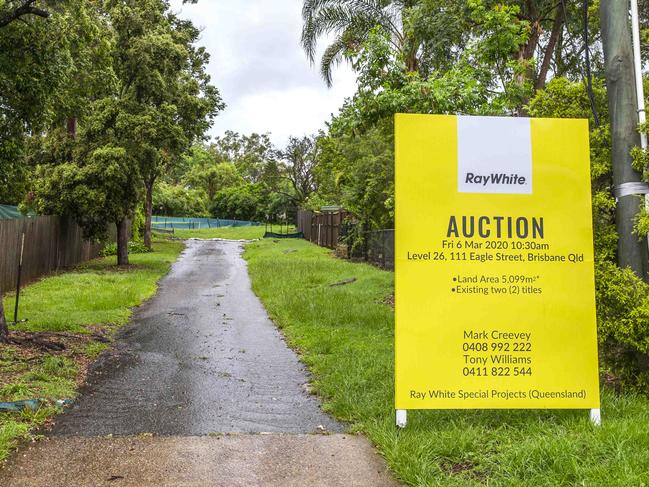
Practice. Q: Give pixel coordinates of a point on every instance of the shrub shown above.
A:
(623, 325)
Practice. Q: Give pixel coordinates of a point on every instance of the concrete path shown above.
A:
(200, 359)
(229, 461)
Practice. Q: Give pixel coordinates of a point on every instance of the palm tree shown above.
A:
(351, 21)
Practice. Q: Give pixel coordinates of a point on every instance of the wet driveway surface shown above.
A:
(201, 357)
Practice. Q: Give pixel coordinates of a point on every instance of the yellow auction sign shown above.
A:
(495, 292)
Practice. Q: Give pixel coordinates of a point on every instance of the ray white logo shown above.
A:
(494, 155)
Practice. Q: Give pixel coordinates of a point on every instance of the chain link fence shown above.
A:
(163, 223)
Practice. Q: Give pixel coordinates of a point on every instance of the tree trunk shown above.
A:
(620, 81)
(122, 242)
(148, 213)
(72, 127)
(525, 54)
(412, 63)
(4, 329)
(557, 27)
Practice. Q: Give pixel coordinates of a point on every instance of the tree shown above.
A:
(524, 43)
(50, 69)
(251, 154)
(102, 183)
(13, 10)
(163, 72)
(213, 178)
(239, 203)
(299, 158)
(32, 66)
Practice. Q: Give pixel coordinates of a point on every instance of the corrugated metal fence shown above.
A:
(51, 243)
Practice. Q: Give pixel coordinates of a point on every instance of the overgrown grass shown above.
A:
(94, 295)
(230, 233)
(345, 336)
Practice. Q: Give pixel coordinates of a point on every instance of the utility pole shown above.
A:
(620, 82)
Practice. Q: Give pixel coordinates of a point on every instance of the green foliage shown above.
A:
(171, 200)
(253, 155)
(239, 203)
(212, 177)
(162, 74)
(49, 70)
(622, 298)
(566, 99)
(137, 224)
(103, 186)
(623, 325)
(299, 159)
(363, 169)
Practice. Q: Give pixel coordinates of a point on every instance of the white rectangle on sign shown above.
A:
(494, 157)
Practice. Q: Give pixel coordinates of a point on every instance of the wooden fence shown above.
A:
(325, 228)
(51, 243)
(322, 229)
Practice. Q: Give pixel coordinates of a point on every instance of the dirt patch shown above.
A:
(25, 349)
(389, 300)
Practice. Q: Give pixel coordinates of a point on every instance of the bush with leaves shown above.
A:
(176, 200)
(239, 203)
(622, 298)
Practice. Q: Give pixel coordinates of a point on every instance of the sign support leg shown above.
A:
(596, 417)
(402, 418)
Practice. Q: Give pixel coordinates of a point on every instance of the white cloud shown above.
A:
(259, 67)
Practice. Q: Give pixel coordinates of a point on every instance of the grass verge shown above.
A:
(74, 308)
(345, 336)
(229, 233)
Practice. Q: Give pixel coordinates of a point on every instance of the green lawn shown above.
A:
(230, 233)
(345, 336)
(94, 295)
(96, 292)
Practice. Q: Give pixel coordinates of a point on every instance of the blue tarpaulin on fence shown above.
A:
(10, 212)
(180, 223)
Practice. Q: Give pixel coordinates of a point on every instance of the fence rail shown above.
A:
(51, 243)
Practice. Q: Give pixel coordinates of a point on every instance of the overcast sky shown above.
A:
(258, 65)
